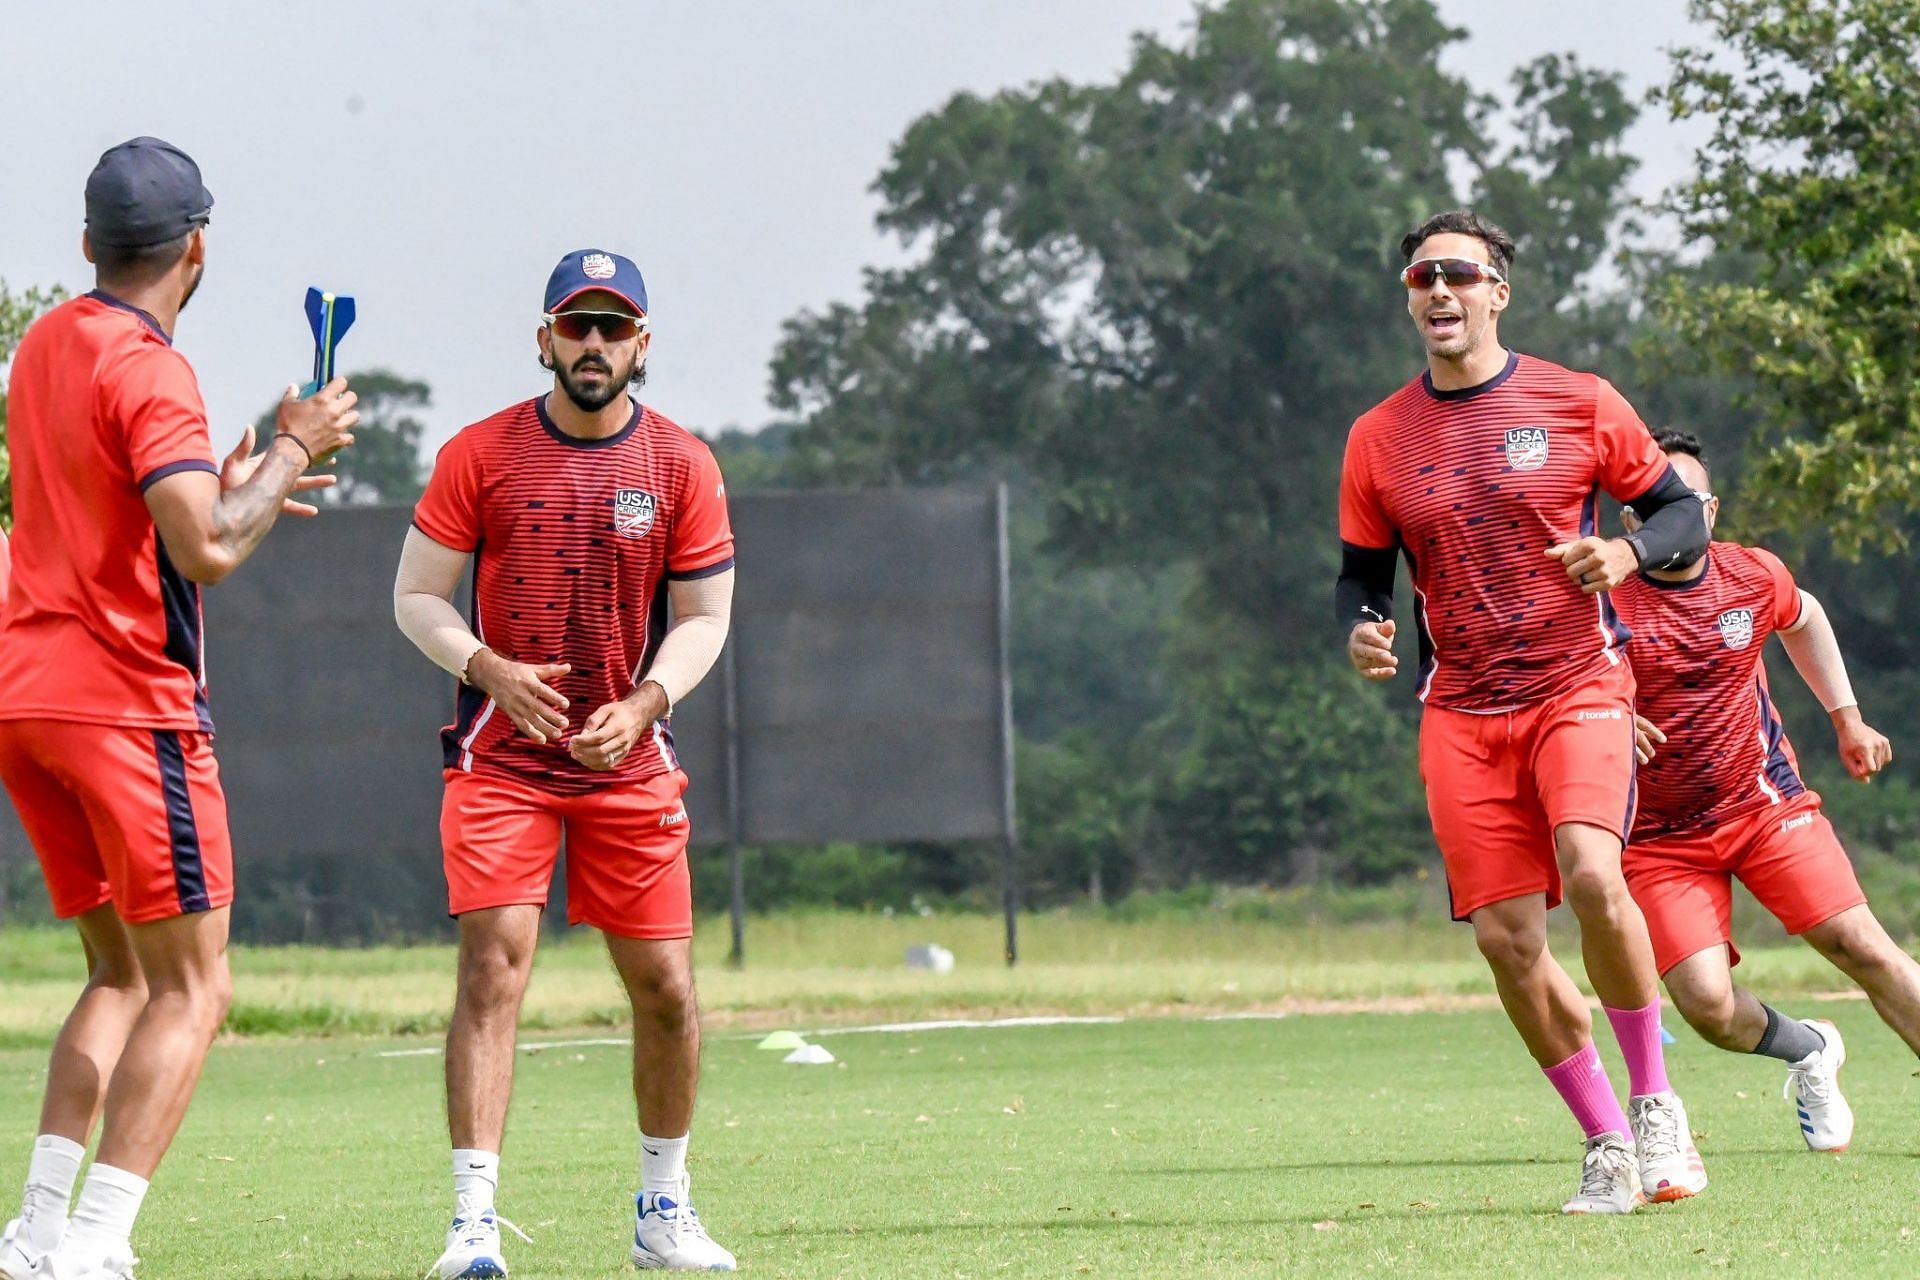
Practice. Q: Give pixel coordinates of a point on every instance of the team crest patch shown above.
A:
(1736, 628)
(597, 266)
(633, 512)
(1526, 448)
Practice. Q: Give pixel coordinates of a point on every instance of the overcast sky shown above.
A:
(435, 159)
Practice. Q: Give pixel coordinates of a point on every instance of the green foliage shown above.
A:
(17, 311)
(384, 463)
(1811, 172)
(1157, 304)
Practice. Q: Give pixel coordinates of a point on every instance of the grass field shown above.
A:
(1325, 1143)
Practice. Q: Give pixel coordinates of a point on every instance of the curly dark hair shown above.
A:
(1464, 222)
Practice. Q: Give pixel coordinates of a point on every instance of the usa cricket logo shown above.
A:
(1736, 628)
(597, 266)
(633, 512)
(1526, 448)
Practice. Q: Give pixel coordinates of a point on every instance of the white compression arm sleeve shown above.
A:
(1815, 651)
(702, 611)
(423, 602)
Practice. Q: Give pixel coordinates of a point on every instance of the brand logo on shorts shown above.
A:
(675, 818)
(633, 512)
(1804, 820)
(597, 266)
(1526, 448)
(1736, 628)
(1614, 714)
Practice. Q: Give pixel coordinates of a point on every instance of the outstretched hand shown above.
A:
(243, 462)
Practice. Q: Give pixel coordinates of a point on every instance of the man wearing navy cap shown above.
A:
(585, 515)
(106, 747)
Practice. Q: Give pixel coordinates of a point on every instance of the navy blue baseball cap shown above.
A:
(145, 192)
(585, 270)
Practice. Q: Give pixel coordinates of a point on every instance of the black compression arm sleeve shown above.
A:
(1673, 524)
(1365, 590)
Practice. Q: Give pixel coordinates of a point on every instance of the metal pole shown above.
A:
(1010, 830)
(736, 862)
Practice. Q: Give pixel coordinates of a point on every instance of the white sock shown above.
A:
(103, 1220)
(51, 1175)
(476, 1176)
(663, 1163)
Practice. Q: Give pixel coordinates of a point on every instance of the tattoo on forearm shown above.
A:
(243, 515)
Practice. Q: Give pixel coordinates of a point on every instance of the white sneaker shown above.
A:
(64, 1264)
(667, 1235)
(1670, 1165)
(473, 1246)
(1826, 1121)
(18, 1252)
(1609, 1178)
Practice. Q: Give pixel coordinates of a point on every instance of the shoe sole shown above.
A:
(483, 1270)
(654, 1262)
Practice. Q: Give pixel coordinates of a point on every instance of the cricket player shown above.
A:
(1721, 797)
(590, 520)
(1485, 473)
(122, 512)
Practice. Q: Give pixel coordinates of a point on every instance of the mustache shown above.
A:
(592, 362)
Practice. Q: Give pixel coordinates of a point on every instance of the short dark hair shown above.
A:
(115, 264)
(1464, 222)
(1673, 440)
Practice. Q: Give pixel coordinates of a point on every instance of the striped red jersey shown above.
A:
(574, 542)
(1474, 486)
(1697, 658)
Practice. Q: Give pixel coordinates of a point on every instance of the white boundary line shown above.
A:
(892, 1028)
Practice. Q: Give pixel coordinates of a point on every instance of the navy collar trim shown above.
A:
(607, 442)
(1478, 389)
(1689, 584)
(101, 295)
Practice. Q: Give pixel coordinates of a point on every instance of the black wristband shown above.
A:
(288, 435)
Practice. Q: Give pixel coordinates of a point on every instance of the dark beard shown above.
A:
(586, 401)
(192, 289)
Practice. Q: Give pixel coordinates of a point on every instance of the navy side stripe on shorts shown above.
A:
(189, 875)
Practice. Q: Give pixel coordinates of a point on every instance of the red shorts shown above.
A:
(626, 851)
(1498, 785)
(134, 817)
(1786, 854)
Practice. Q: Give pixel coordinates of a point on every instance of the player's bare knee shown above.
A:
(1596, 892)
(664, 999)
(492, 977)
(1512, 950)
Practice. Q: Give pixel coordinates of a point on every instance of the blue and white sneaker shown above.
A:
(667, 1235)
(1826, 1121)
(473, 1246)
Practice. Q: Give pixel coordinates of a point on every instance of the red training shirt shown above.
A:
(1697, 659)
(1473, 486)
(573, 542)
(100, 627)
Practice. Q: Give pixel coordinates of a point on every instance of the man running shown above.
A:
(586, 516)
(106, 747)
(1721, 798)
(1485, 472)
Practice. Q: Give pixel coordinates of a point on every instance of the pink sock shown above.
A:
(1584, 1087)
(1638, 1031)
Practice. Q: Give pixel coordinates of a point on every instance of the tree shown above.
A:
(1159, 303)
(1811, 174)
(17, 311)
(383, 464)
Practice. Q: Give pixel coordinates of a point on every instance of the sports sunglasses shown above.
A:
(614, 326)
(1457, 272)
